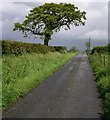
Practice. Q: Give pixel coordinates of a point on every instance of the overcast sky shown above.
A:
(96, 27)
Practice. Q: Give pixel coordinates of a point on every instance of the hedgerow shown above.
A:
(18, 48)
(101, 49)
(102, 75)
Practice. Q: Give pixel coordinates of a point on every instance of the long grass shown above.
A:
(0, 82)
(23, 73)
(102, 75)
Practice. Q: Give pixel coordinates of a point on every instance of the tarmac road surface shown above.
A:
(70, 92)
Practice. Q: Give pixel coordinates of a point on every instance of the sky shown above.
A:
(96, 27)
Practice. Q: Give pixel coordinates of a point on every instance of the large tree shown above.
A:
(49, 18)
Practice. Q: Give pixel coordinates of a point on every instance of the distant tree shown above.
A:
(49, 18)
(87, 44)
(73, 49)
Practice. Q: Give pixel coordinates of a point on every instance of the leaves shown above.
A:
(49, 18)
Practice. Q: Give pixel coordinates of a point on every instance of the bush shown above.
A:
(73, 49)
(60, 49)
(107, 106)
(101, 49)
(16, 48)
(102, 75)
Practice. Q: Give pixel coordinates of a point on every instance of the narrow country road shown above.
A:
(71, 92)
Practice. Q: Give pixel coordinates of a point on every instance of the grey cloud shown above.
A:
(97, 5)
(30, 4)
(12, 10)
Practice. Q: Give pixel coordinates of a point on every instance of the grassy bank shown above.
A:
(101, 71)
(23, 73)
(0, 82)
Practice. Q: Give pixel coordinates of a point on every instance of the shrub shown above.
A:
(73, 49)
(60, 48)
(101, 49)
(102, 75)
(107, 106)
(16, 48)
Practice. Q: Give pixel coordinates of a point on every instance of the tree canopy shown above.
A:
(50, 17)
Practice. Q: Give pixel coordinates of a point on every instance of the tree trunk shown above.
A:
(46, 42)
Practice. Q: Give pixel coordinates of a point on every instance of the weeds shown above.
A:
(23, 73)
(101, 72)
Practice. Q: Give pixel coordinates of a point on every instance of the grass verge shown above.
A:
(23, 73)
(102, 75)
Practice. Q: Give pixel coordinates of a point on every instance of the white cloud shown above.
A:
(94, 14)
(95, 34)
(11, 10)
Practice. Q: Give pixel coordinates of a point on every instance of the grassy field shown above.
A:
(0, 81)
(102, 76)
(23, 73)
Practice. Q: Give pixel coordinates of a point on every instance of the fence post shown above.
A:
(100, 58)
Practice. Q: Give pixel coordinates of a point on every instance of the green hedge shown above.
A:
(60, 48)
(101, 49)
(19, 48)
(102, 75)
(16, 48)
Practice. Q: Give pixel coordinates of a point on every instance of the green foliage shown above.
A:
(107, 106)
(0, 79)
(101, 49)
(18, 48)
(73, 49)
(49, 18)
(102, 75)
(87, 44)
(23, 73)
(61, 49)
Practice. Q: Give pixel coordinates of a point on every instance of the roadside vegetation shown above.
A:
(100, 62)
(23, 72)
(27, 65)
